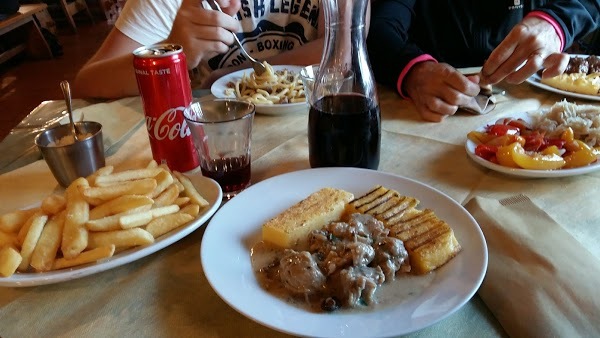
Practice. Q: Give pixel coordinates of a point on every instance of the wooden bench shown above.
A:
(31, 39)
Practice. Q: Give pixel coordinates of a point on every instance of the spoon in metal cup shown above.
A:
(258, 66)
(66, 90)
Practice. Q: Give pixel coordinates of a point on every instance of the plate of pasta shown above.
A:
(278, 91)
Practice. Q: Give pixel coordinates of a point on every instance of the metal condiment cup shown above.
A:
(69, 159)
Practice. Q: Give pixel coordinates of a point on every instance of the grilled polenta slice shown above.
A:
(581, 83)
(419, 222)
(382, 203)
(432, 249)
(430, 241)
(291, 228)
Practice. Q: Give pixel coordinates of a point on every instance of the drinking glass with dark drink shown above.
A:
(222, 130)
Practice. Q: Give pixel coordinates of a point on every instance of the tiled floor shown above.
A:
(24, 83)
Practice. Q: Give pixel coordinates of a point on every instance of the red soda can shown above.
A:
(164, 84)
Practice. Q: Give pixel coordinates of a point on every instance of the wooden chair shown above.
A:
(71, 8)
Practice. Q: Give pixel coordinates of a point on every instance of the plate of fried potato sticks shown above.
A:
(103, 221)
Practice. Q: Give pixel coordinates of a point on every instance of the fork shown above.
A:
(259, 67)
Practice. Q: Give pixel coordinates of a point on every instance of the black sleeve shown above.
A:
(387, 42)
(577, 18)
(390, 48)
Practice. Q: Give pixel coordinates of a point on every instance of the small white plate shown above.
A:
(470, 147)
(207, 187)
(225, 255)
(536, 81)
(218, 90)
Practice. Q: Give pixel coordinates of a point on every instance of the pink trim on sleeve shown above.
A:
(418, 59)
(545, 16)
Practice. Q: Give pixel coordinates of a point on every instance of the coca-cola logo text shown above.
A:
(169, 124)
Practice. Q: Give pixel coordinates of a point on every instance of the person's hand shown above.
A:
(532, 43)
(437, 89)
(202, 32)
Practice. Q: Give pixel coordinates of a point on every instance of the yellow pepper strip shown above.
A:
(504, 140)
(479, 137)
(583, 145)
(504, 155)
(582, 157)
(520, 139)
(551, 150)
(536, 161)
(572, 146)
(568, 135)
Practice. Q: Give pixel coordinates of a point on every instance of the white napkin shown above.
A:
(119, 120)
(480, 104)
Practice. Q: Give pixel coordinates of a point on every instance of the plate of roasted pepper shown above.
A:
(515, 146)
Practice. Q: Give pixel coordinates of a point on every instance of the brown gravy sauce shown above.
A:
(392, 293)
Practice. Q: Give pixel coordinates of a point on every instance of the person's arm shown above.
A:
(109, 73)
(523, 52)
(390, 49)
(537, 42)
(202, 33)
(307, 54)
(436, 89)
(576, 18)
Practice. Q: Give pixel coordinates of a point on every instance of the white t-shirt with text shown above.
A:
(269, 27)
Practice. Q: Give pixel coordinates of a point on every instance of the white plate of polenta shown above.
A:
(536, 81)
(236, 228)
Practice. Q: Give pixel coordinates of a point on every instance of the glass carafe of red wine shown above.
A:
(344, 123)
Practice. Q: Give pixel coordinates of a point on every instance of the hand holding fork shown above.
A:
(202, 32)
(258, 66)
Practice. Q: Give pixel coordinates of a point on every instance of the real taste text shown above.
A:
(164, 71)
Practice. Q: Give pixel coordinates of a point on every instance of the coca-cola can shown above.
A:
(164, 84)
